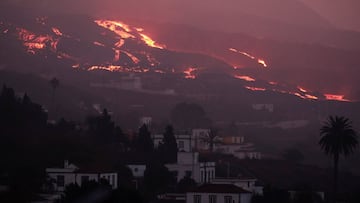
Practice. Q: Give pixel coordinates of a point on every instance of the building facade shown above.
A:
(70, 173)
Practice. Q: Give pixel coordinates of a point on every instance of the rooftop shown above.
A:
(219, 188)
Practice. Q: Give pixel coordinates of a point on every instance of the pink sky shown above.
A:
(341, 13)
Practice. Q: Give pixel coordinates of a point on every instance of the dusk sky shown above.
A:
(343, 14)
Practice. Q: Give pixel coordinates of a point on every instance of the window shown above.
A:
(113, 180)
(202, 176)
(197, 199)
(181, 145)
(228, 199)
(188, 173)
(174, 174)
(84, 179)
(60, 179)
(212, 198)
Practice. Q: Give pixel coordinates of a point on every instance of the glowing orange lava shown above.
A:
(244, 77)
(120, 43)
(335, 97)
(259, 61)
(308, 96)
(76, 66)
(99, 44)
(150, 42)
(35, 42)
(262, 62)
(117, 27)
(110, 68)
(190, 73)
(57, 31)
(302, 89)
(116, 55)
(159, 71)
(273, 83)
(255, 88)
(133, 58)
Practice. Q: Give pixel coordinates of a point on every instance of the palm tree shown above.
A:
(337, 138)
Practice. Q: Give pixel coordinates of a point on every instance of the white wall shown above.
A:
(68, 179)
(112, 178)
(91, 176)
(220, 197)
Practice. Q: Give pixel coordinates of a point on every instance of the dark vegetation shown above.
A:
(29, 144)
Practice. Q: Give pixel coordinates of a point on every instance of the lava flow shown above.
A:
(245, 77)
(125, 31)
(35, 42)
(259, 60)
(255, 88)
(190, 73)
(335, 97)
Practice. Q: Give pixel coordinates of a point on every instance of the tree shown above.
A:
(211, 139)
(337, 138)
(186, 184)
(158, 179)
(168, 148)
(54, 83)
(143, 142)
(293, 155)
(189, 115)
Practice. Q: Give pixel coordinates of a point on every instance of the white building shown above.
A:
(188, 165)
(218, 193)
(145, 120)
(237, 146)
(186, 142)
(70, 173)
(234, 145)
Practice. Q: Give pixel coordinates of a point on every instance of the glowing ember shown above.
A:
(260, 61)
(244, 77)
(150, 42)
(190, 73)
(302, 89)
(273, 83)
(117, 55)
(298, 94)
(159, 71)
(99, 44)
(139, 29)
(308, 96)
(110, 68)
(41, 20)
(76, 66)
(133, 58)
(255, 88)
(120, 43)
(57, 31)
(335, 97)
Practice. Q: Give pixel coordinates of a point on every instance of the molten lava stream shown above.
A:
(335, 97)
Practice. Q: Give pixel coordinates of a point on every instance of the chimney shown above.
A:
(66, 163)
